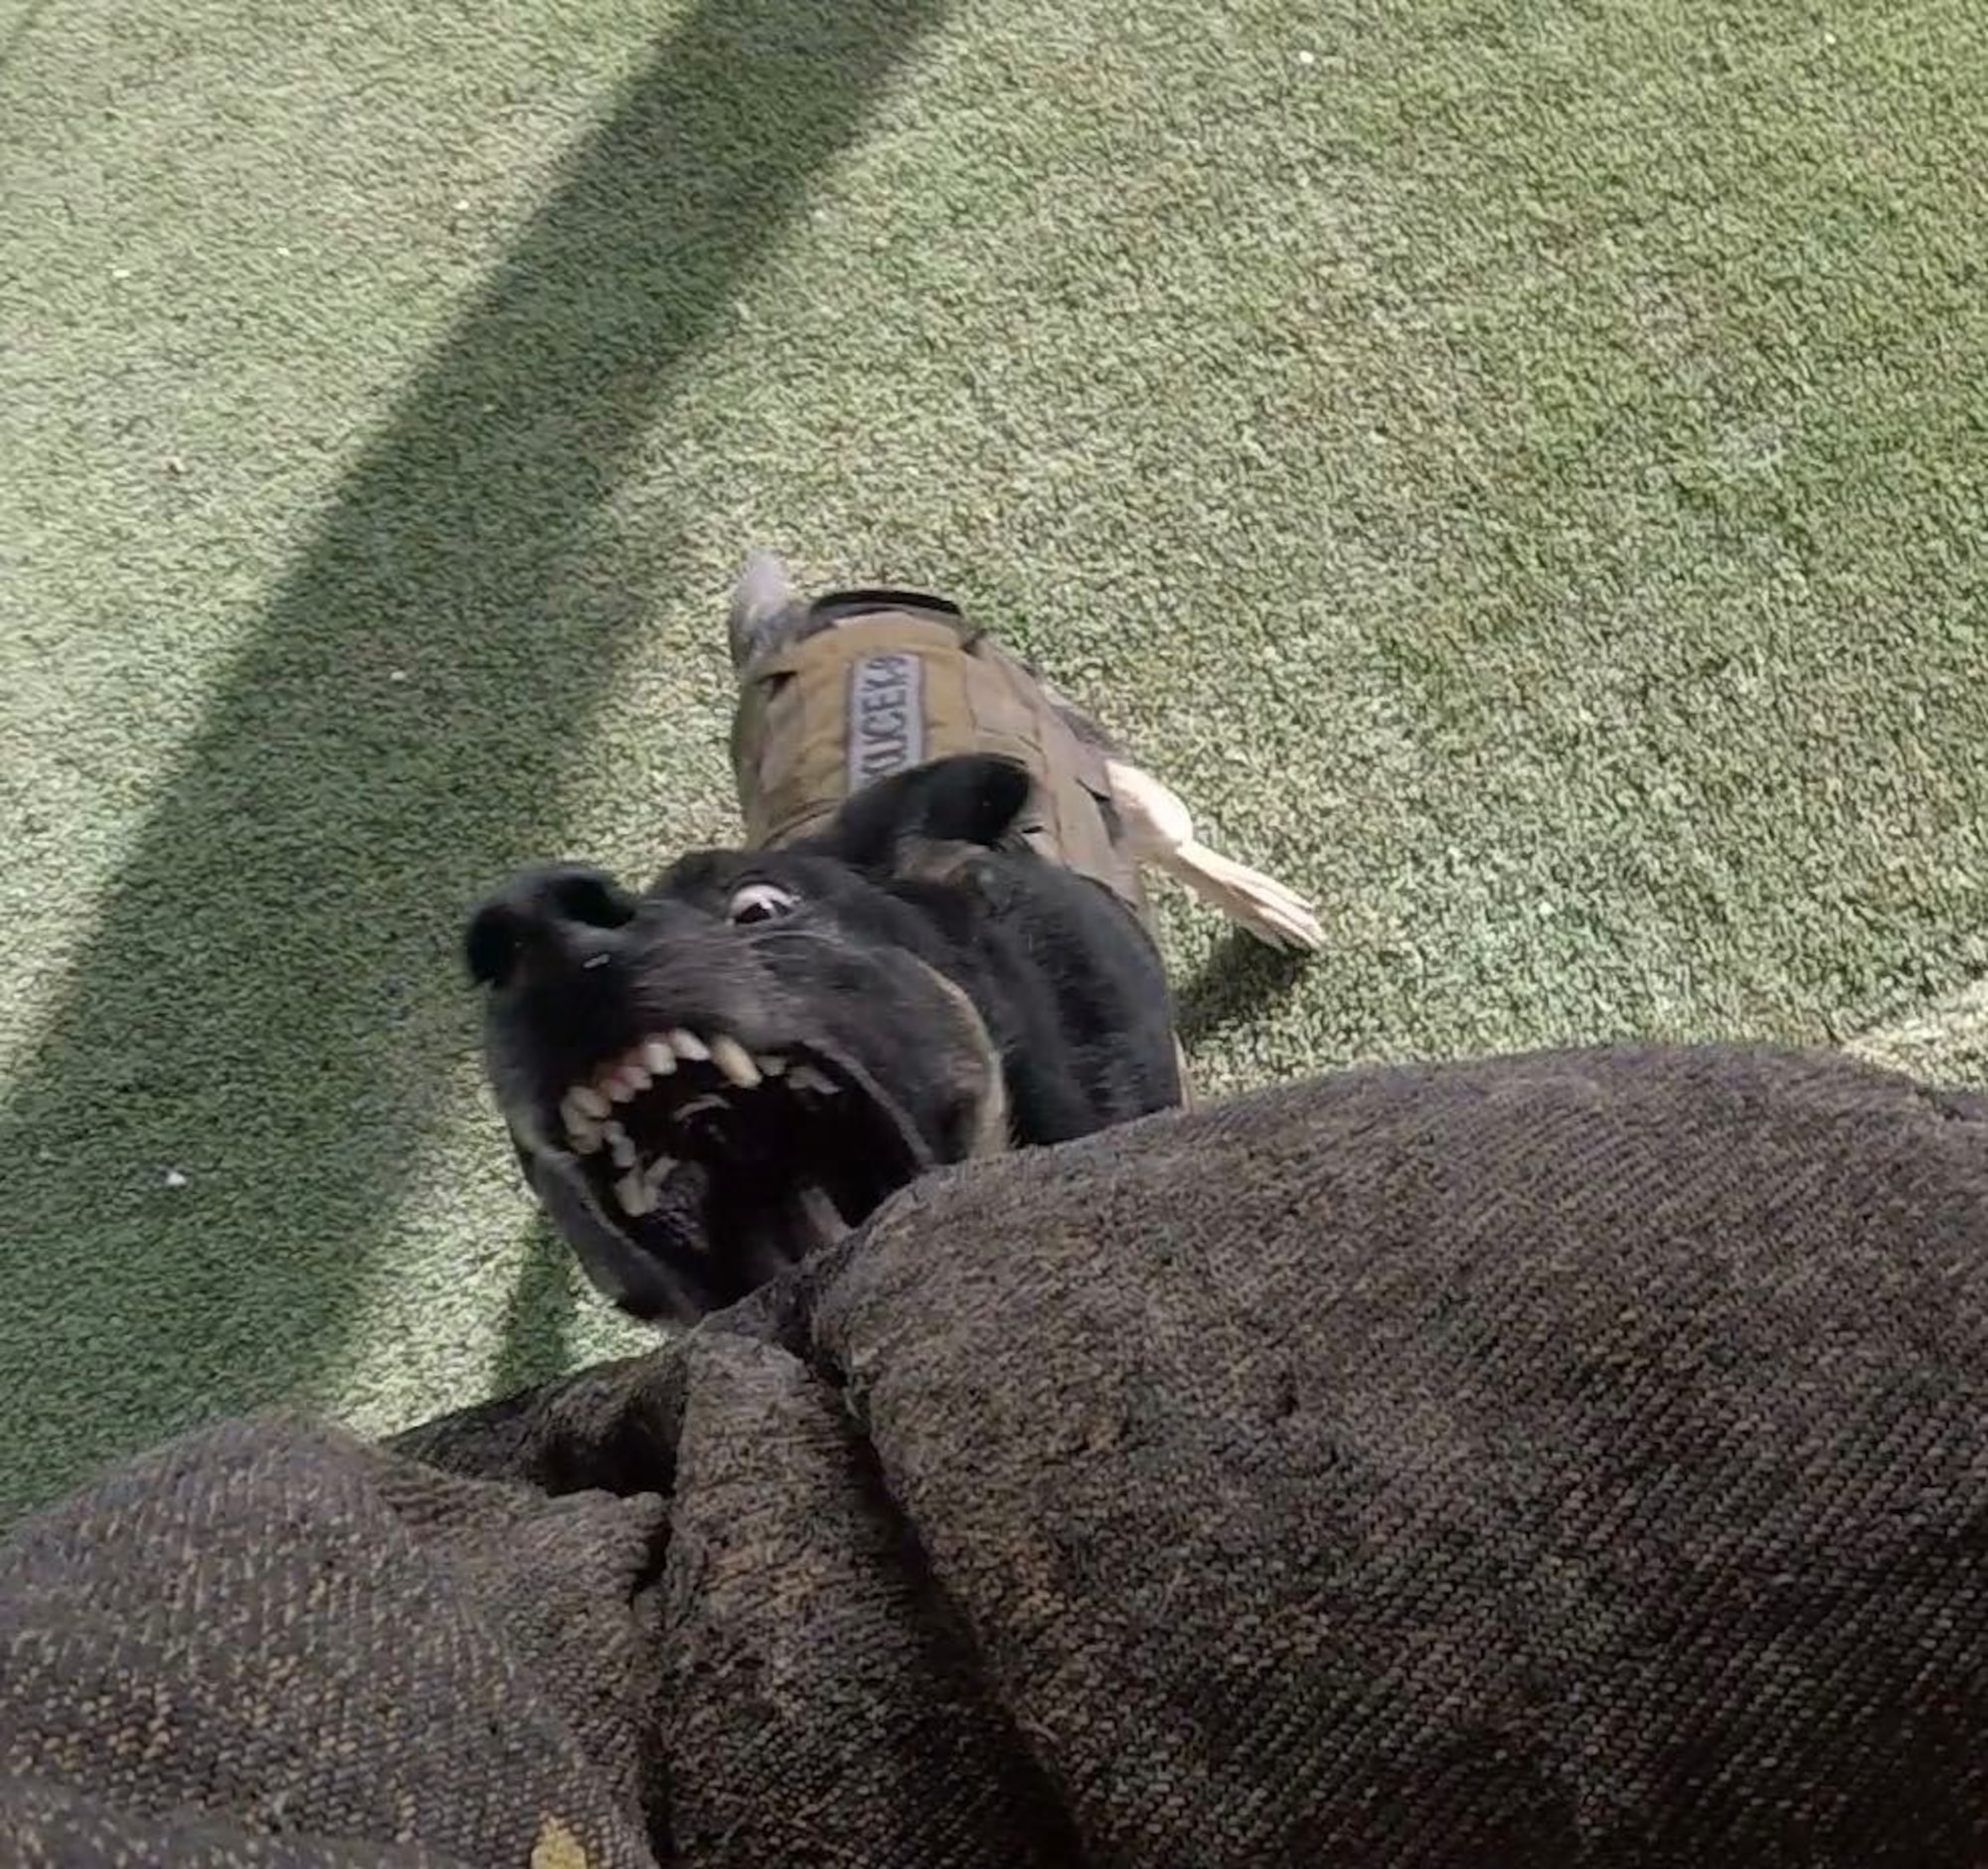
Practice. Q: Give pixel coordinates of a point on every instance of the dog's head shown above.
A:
(785, 1032)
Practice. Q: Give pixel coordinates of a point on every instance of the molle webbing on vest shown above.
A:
(886, 690)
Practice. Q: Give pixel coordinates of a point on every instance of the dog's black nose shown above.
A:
(563, 914)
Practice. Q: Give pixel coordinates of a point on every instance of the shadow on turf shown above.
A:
(1233, 986)
(210, 1180)
(535, 1341)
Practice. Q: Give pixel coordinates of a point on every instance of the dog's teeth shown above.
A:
(588, 1101)
(658, 1170)
(687, 1046)
(620, 1144)
(808, 1078)
(635, 1075)
(699, 1104)
(580, 1128)
(657, 1057)
(733, 1061)
(618, 1089)
(772, 1064)
(635, 1195)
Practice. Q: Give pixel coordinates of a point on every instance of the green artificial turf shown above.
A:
(1519, 468)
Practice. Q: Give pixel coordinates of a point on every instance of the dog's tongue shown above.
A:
(808, 1221)
(783, 1232)
(817, 1218)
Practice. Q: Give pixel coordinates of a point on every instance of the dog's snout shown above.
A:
(577, 900)
(566, 915)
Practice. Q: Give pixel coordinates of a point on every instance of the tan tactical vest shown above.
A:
(881, 691)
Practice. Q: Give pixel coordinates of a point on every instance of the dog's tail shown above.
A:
(1160, 831)
(1259, 902)
(763, 602)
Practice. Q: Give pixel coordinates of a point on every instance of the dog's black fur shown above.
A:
(956, 993)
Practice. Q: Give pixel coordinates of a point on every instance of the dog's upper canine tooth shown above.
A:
(657, 1057)
(588, 1101)
(688, 1045)
(733, 1061)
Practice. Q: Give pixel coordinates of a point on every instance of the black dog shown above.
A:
(925, 952)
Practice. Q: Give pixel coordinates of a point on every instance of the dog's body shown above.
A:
(934, 944)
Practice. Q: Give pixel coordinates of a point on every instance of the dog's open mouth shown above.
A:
(791, 1133)
(707, 1084)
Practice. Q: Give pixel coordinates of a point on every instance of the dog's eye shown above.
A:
(760, 902)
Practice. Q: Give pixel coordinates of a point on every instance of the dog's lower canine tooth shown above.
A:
(588, 1101)
(657, 1057)
(689, 1046)
(635, 1195)
(733, 1061)
(582, 1129)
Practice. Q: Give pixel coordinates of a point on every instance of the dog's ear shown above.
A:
(969, 799)
(761, 601)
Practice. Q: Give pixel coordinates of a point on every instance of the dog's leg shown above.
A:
(1159, 830)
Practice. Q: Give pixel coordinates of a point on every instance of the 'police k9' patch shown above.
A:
(886, 717)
